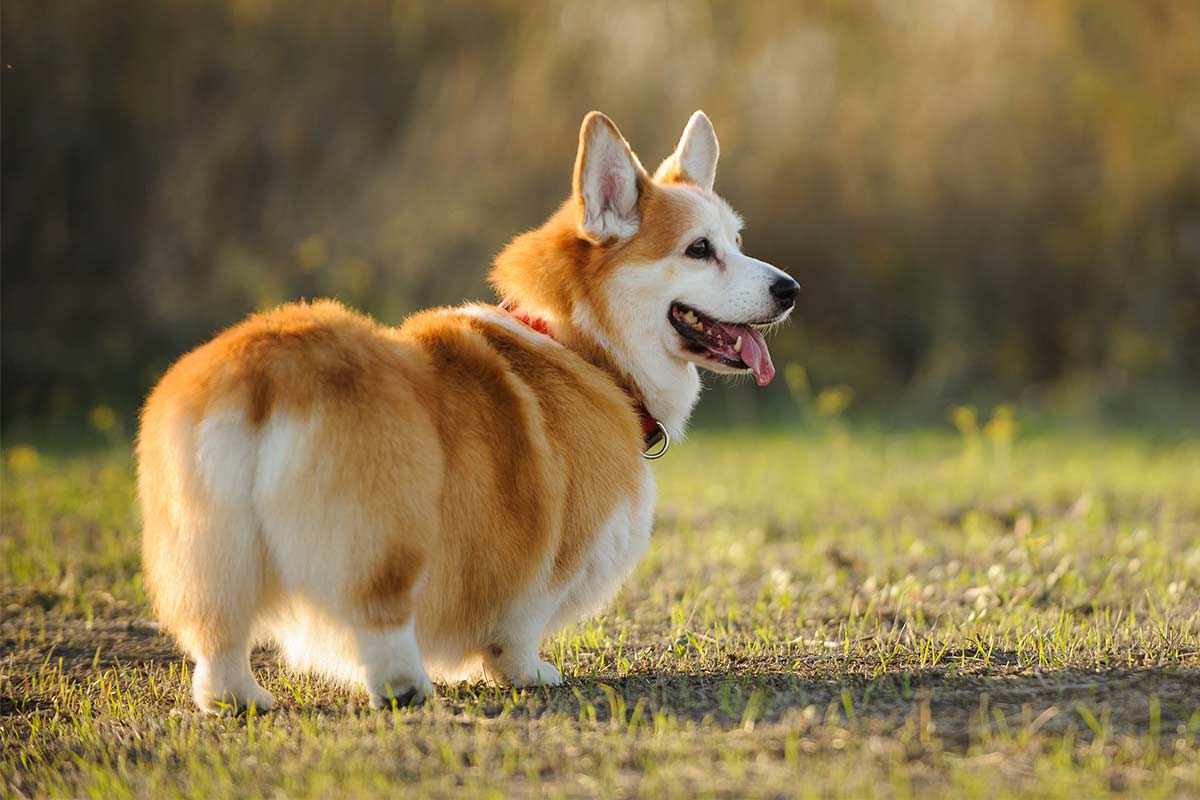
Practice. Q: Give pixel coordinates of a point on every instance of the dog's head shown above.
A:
(650, 267)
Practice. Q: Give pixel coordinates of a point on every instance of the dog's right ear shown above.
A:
(607, 180)
(695, 159)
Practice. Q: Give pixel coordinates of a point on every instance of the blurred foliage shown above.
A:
(981, 200)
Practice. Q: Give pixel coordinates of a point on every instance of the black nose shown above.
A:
(784, 290)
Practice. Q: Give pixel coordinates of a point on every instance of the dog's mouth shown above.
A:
(730, 344)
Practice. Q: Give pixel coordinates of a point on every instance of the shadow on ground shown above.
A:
(1120, 701)
(951, 703)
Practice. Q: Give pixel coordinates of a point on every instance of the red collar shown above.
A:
(653, 431)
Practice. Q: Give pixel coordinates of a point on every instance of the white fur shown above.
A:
(391, 665)
(224, 682)
(299, 518)
(218, 539)
(513, 658)
(225, 453)
(507, 321)
(312, 640)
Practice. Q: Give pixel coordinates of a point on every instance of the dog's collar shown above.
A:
(654, 433)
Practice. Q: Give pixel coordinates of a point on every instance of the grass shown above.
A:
(831, 614)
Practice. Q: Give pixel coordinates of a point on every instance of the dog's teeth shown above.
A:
(698, 326)
(690, 318)
(737, 346)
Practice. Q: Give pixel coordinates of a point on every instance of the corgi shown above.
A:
(391, 504)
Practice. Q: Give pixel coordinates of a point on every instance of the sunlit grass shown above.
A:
(848, 613)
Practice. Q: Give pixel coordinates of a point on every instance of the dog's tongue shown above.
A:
(755, 354)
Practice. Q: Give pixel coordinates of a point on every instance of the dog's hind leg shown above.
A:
(371, 644)
(348, 497)
(351, 582)
(392, 668)
(204, 558)
(384, 624)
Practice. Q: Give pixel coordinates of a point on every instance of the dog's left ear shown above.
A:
(695, 158)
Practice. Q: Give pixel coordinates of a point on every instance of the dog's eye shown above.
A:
(699, 249)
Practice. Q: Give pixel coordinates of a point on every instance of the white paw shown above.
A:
(539, 673)
(401, 692)
(243, 695)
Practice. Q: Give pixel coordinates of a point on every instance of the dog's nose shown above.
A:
(784, 290)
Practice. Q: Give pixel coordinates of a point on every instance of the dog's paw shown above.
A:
(538, 673)
(233, 701)
(401, 693)
(224, 684)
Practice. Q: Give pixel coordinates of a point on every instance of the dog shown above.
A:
(387, 504)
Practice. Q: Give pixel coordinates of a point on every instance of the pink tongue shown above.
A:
(754, 353)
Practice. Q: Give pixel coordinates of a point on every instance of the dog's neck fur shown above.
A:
(554, 274)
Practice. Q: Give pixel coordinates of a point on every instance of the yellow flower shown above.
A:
(833, 401)
(796, 377)
(103, 419)
(965, 420)
(311, 253)
(22, 458)
(1002, 427)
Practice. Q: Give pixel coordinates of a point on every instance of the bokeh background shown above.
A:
(985, 202)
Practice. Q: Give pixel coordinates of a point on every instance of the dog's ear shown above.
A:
(607, 180)
(695, 158)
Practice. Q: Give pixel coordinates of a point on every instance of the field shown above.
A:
(832, 613)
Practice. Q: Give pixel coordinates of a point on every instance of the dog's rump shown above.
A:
(458, 450)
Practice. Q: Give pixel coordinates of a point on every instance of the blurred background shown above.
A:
(984, 202)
